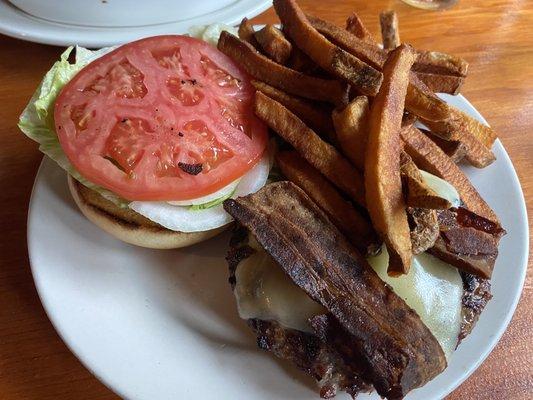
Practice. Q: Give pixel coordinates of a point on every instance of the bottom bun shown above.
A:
(129, 226)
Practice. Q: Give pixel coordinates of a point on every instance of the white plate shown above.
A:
(163, 324)
(16, 23)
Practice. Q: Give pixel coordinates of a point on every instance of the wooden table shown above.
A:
(495, 36)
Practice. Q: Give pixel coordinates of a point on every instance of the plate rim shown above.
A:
(441, 391)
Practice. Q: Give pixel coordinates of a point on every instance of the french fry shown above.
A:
(300, 61)
(316, 116)
(471, 133)
(318, 153)
(418, 193)
(331, 58)
(420, 100)
(383, 184)
(458, 123)
(367, 51)
(344, 216)
(351, 132)
(274, 44)
(355, 26)
(437, 62)
(429, 157)
(408, 118)
(247, 32)
(476, 153)
(452, 148)
(351, 128)
(390, 34)
(274, 74)
(432, 62)
(441, 83)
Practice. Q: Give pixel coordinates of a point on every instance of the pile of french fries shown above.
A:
(347, 107)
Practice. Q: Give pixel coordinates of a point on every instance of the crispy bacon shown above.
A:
(396, 349)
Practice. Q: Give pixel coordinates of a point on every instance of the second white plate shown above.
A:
(18, 24)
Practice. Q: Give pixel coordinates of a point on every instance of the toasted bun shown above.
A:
(129, 226)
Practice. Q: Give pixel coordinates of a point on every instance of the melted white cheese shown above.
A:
(433, 289)
(264, 291)
(442, 188)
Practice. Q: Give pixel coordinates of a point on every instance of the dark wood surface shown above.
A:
(494, 36)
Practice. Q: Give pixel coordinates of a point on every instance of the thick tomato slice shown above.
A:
(163, 118)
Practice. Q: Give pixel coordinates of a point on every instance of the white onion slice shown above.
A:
(224, 192)
(183, 219)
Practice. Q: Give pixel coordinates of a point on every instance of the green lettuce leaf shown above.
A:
(37, 119)
(212, 203)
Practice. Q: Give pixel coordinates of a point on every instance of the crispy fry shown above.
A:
(318, 153)
(328, 56)
(429, 157)
(390, 34)
(300, 61)
(452, 148)
(408, 119)
(316, 116)
(247, 32)
(369, 52)
(351, 128)
(476, 153)
(286, 79)
(383, 184)
(418, 193)
(431, 62)
(460, 122)
(476, 137)
(344, 216)
(436, 62)
(274, 43)
(441, 83)
(420, 100)
(355, 26)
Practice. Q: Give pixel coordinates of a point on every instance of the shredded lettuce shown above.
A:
(212, 203)
(37, 119)
(211, 33)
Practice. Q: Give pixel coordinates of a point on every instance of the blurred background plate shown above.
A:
(99, 23)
